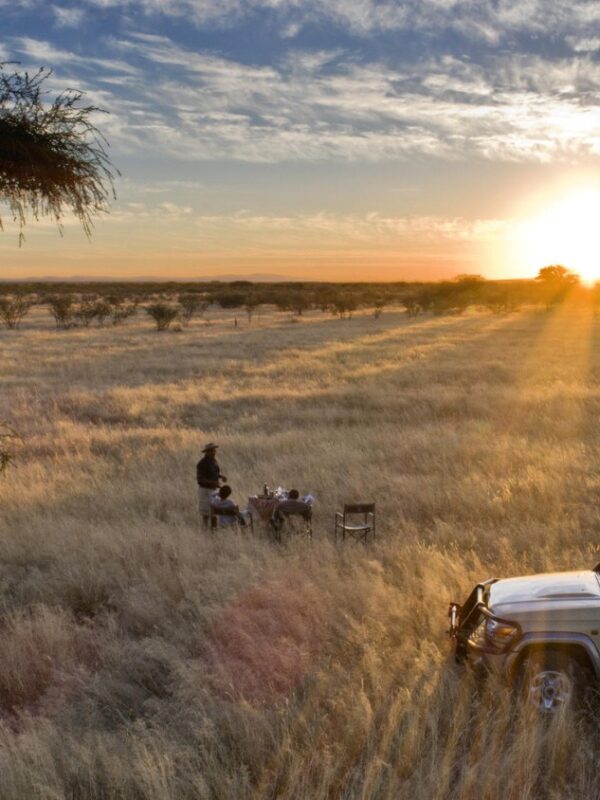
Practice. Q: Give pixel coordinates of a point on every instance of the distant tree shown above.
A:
(467, 290)
(102, 311)
(52, 156)
(344, 306)
(86, 311)
(412, 306)
(556, 282)
(469, 279)
(378, 306)
(192, 303)
(163, 315)
(557, 274)
(300, 302)
(13, 310)
(229, 299)
(296, 301)
(250, 306)
(500, 298)
(324, 299)
(62, 308)
(120, 311)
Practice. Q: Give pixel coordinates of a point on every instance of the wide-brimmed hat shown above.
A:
(210, 446)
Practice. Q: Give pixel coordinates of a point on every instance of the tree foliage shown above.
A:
(13, 310)
(556, 283)
(191, 303)
(163, 315)
(52, 156)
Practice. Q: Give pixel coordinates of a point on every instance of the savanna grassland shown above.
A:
(142, 657)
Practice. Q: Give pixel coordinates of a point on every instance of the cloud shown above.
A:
(321, 105)
(362, 228)
(68, 17)
(584, 45)
(326, 105)
(485, 20)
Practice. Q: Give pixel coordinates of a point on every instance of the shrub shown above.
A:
(86, 311)
(62, 309)
(162, 314)
(103, 311)
(13, 310)
(191, 304)
(230, 299)
(120, 311)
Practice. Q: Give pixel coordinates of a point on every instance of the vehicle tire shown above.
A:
(551, 681)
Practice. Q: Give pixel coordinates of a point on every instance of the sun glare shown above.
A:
(568, 233)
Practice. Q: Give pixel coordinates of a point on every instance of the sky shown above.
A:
(325, 139)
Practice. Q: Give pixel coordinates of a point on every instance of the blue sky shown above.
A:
(342, 139)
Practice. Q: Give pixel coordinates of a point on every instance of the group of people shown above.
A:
(215, 503)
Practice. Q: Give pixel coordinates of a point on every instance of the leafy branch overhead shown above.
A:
(52, 156)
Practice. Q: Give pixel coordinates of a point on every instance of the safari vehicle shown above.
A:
(539, 632)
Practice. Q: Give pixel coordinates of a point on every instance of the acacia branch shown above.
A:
(52, 156)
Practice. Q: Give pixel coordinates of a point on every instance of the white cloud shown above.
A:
(319, 106)
(487, 20)
(362, 227)
(584, 45)
(313, 106)
(68, 17)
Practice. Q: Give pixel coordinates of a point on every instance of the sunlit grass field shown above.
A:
(142, 657)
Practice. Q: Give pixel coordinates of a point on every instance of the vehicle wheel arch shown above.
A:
(575, 650)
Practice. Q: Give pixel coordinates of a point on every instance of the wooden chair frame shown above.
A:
(361, 531)
(280, 518)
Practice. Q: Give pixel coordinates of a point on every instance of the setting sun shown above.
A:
(566, 232)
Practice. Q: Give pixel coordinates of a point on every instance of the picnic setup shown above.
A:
(283, 509)
(283, 512)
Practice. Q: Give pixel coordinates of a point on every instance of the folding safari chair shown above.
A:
(356, 521)
(294, 516)
(217, 513)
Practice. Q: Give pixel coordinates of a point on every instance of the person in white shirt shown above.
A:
(226, 512)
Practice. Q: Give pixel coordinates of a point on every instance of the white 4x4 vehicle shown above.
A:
(540, 632)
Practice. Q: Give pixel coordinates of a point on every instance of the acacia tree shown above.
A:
(52, 156)
(52, 159)
(556, 283)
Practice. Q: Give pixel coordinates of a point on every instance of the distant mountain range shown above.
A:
(258, 277)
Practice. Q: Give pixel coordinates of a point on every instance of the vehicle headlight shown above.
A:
(477, 638)
(499, 634)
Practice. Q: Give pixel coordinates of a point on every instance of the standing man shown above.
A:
(208, 475)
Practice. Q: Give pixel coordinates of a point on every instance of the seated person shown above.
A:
(225, 510)
(290, 507)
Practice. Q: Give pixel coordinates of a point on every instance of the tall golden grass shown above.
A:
(142, 657)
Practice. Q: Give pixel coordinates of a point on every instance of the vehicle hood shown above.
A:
(552, 590)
